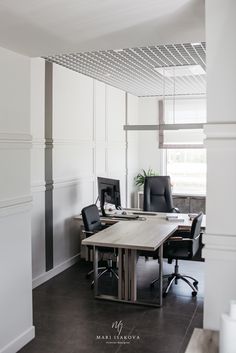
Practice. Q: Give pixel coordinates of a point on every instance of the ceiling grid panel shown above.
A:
(135, 70)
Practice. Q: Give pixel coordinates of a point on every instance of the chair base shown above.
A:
(103, 270)
(174, 277)
(109, 270)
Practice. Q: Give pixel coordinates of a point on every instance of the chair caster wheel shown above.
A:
(195, 283)
(194, 294)
(164, 295)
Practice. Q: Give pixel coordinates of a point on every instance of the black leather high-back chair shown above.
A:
(182, 245)
(157, 194)
(92, 225)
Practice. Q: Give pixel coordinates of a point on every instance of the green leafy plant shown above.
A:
(139, 179)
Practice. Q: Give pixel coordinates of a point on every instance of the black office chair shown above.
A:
(157, 194)
(157, 198)
(183, 245)
(92, 224)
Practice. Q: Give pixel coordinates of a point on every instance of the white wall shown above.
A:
(220, 238)
(88, 141)
(149, 153)
(37, 165)
(15, 202)
(132, 139)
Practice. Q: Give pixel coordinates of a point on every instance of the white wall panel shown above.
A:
(37, 166)
(88, 140)
(16, 282)
(148, 110)
(15, 170)
(149, 152)
(100, 150)
(220, 130)
(68, 201)
(73, 155)
(38, 234)
(14, 92)
(116, 158)
(132, 109)
(72, 160)
(72, 105)
(133, 149)
(115, 102)
(100, 110)
(37, 96)
(15, 237)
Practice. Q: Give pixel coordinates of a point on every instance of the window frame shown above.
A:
(163, 126)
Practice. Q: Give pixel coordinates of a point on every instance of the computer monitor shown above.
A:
(108, 191)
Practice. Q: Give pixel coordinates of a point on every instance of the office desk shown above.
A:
(159, 216)
(128, 237)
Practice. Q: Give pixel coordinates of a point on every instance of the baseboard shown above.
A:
(19, 342)
(55, 271)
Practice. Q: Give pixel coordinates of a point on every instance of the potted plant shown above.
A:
(139, 179)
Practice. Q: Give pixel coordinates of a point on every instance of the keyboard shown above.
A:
(125, 216)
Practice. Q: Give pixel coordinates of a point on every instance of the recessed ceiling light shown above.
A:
(195, 44)
(183, 70)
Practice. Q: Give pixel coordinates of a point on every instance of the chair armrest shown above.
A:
(175, 210)
(198, 236)
(88, 232)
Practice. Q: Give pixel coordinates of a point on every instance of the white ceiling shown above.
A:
(46, 27)
(133, 69)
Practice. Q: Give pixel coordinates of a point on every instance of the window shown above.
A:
(181, 122)
(187, 169)
(181, 134)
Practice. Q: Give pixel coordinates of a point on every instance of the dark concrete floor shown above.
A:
(67, 319)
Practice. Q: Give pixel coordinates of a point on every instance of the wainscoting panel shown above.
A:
(72, 159)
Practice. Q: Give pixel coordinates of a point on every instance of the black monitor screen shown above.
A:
(109, 191)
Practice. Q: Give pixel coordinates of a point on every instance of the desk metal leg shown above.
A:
(120, 274)
(95, 268)
(160, 273)
(133, 275)
(127, 282)
(126, 274)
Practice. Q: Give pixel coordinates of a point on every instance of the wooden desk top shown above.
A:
(140, 235)
(158, 217)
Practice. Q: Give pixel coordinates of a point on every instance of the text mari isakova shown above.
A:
(117, 337)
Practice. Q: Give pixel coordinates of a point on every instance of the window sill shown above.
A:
(185, 194)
